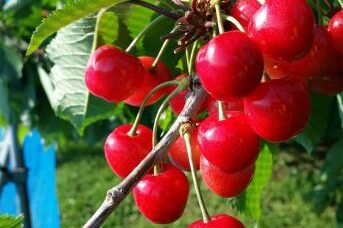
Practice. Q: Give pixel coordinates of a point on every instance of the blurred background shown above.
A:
(51, 161)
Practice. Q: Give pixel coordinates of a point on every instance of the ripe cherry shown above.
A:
(162, 198)
(233, 105)
(283, 29)
(335, 27)
(151, 78)
(243, 11)
(178, 153)
(218, 221)
(123, 152)
(278, 109)
(113, 74)
(229, 66)
(314, 64)
(225, 184)
(229, 144)
(331, 83)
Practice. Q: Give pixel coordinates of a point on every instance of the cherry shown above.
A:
(218, 221)
(178, 153)
(312, 65)
(335, 27)
(225, 184)
(330, 83)
(283, 29)
(229, 66)
(113, 74)
(162, 198)
(243, 11)
(233, 105)
(152, 78)
(230, 144)
(278, 109)
(123, 152)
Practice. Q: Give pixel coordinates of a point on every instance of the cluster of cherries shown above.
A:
(261, 75)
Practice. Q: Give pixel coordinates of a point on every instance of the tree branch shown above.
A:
(117, 194)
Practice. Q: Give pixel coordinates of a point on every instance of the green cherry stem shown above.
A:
(97, 27)
(219, 17)
(143, 32)
(185, 133)
(235, 22)
(133, 129)
(341, 3)
(192, 58)
(181, 86)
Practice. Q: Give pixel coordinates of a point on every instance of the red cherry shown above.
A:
(218, 221)
(278, 109)
(331, 83)
(243, 11)
(113, 74)
(178, 153)
(225, 184)
(335, 27)
(233, 105)
(229, 66)
(230, 144)
(123, 152)
(284, 29)
(150, 80)
(162, 198)
(313, 64)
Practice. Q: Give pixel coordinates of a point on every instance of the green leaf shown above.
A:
(11, 63)
(340, 106)
(65, 87)
(108, 28)
(62, 17)
(315, 128)
(4, 103)
(138, 19)
(253, 194)
(166, 119)
(11, 222)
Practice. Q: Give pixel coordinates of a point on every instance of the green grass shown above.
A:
(83, 178)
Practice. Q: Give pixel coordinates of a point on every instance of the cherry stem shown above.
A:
(221, 112)
(157, 9)
(158, 57)
(143, 32)
(97, 27)
(187, 138)
(219, 18)
(134, 127)
(235, 22)
(192, 58)
(181, 86)
(341, 3)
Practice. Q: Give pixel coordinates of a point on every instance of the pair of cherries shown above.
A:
(117, 76)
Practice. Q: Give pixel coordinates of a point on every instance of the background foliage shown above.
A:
(46, 90)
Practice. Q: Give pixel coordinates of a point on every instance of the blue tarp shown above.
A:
(41, 165)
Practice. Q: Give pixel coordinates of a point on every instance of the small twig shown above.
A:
(157, 9)
(117, 194)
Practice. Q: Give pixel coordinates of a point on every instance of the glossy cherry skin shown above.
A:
(233, 105)
(278, 109)
(283, 29)
(225, 184)
(150, 80)
(229, 66)
(335, 27)
(123, 152)
(178, 153)
(230, 144)
(113, 74)
(243, 11)
(162, 198)
(218, 221)
(313, 64)
(331, 83)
